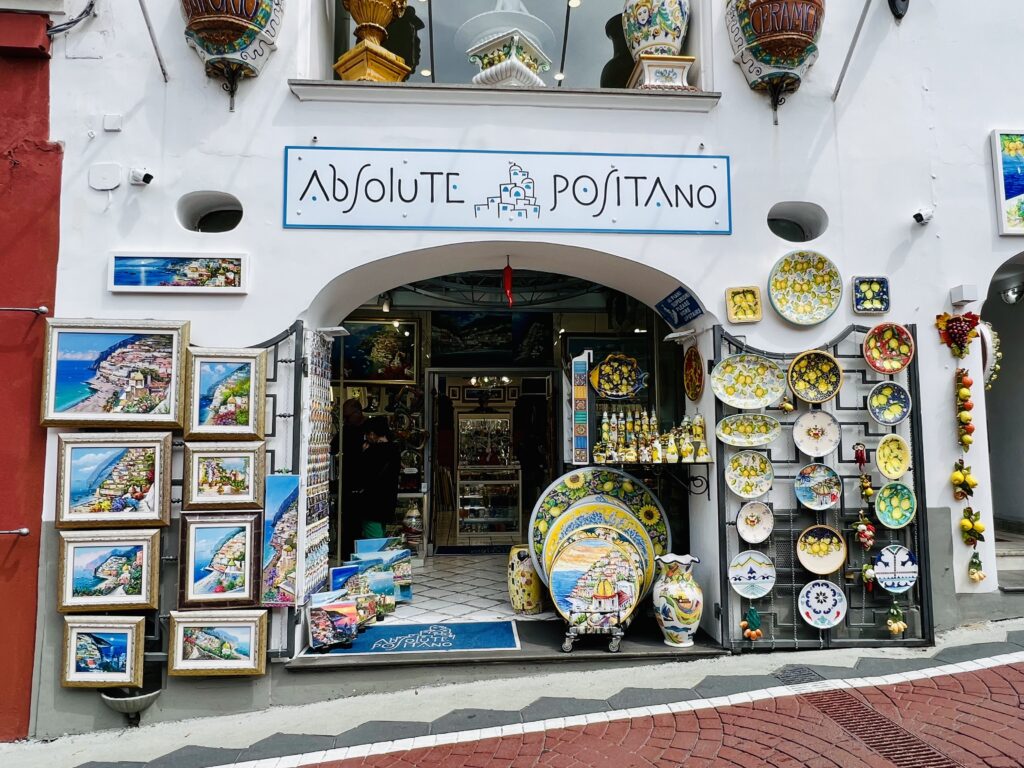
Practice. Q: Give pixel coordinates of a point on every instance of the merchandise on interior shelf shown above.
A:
(678, 599)
(524, 584)
(748, 381)
(752, 574)
(805, 287)
(618, 377)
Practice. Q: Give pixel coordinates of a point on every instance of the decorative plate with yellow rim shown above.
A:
(805, 287)
(895, 505)
(749, 474)
(613, 484)
(596, 581)
(748, 430)
(821, 549)
(617, 377)
(748, 381)
(893, 457)
(888, 348)
(693, 373)
(815, 376)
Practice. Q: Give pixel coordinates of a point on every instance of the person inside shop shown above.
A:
(353, 435)
(380, 468)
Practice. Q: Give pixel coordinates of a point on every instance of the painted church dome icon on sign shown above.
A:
(515, 200)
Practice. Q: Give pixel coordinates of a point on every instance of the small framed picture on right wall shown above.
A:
(1008, 166)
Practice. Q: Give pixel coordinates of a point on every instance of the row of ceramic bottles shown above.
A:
(632, 437)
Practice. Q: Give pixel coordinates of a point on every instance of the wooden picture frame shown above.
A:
(113, 480)
(226, 397)
(362, 351)
(94, 566)
(205, 273)
(217, 643)
(200, 490)
(103, 651)
(210, 545)
(114, 373)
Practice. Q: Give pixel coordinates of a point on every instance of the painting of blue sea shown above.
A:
(101, 652)
(1008, 152)
(216, 643)
(200, 273)
(280, 531)
(104, 570)
(224, 393)
(218, 560)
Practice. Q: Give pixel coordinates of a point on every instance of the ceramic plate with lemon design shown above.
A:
(748, 381)
(748, 430)
(889, 403)
(815, 376)
(805, 287)
(821, 549)
(893, 457)
(617, 377)
(749, 474)
(888, 348)
(895, 505)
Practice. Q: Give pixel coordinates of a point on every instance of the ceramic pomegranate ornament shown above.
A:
(655, 26)
(678, 599)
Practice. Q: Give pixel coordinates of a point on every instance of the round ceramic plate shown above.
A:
(895, 505)
(617, 377)
(889, 403)
(748, 381)
(815, 376)
(749, 474)
(821, 549)
(805, 287)
(888, 348)
(896, 569)
(693, 373)
(754, 522)
(596, 582)
(818, 487)
(893, 457)
(822, 604)
(647, 567)
(748, 430)
(752, 574)
(816, 433)
(597, 512)
(611, 483)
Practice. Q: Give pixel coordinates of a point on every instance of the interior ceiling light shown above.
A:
(560, 76)
(575, 3)
(1013, 294)
(426, 72)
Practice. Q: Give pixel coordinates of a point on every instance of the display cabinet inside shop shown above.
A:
(489, 479)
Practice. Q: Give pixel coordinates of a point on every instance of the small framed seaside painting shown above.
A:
(219, 560)
(103, 651)
(113, 480)
(217, 643)
(108, 570)
(226, 394)
(208, 273)
(114, 373)
(223, 476)
(1008, 165)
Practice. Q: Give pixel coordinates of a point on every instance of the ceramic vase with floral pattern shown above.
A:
(524, 585)
(678, 599)
(655, 26)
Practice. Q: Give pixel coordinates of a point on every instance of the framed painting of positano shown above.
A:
(219, 560)
(206, 273)
(113, 480)
(1008, 163)
(223, 476)
(114, 373)
(225, 394)
(217, 643)
(103, 651)
(108, 570)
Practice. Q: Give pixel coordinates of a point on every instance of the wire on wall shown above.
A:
(90, 10)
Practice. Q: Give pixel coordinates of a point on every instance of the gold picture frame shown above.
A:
(217, 643)
(230, 581)
(94, 566)
(200, 490)
(211, 369)
(96, 642)
(113, 373)
(102, 479)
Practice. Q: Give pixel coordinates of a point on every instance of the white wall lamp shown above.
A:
(385, 304)
(334, 332)
(681, 336)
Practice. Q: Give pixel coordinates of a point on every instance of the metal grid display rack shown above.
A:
(865, 621)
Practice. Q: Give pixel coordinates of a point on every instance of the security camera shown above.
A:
(140, 176)
(924, 215)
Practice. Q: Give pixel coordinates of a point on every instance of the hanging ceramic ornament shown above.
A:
(655, 31)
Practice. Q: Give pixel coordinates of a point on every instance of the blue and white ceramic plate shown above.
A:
(896, 569)
(752, 574)
(822, 604)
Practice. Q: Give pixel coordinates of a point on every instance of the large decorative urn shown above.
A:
(678, 599)
(655, 27)
(524, 585)
(369, 60)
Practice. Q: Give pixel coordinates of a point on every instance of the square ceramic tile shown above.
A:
(871, 295)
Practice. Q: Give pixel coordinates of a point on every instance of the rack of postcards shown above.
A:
(318, 429)
(821, 492)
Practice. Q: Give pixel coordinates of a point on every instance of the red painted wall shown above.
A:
(30, 168)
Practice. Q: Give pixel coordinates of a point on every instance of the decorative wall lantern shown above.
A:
(775, 42)
(369, 60)
(234, 39)
(508, 43)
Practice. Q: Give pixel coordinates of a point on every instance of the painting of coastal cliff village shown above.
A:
(218, 643)
(101, 651)
(110, 373)
(595, 582)
(223, 476)
(106, 481)
(170, 273)
(1008, 159)
(280, 540)
(108, 570)
(226, 394)
(217, 560)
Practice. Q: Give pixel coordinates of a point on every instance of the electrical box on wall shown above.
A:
(963, 294)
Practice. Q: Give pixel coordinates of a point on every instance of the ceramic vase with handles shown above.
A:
(678, 599)
(655, 26)
(524, 585)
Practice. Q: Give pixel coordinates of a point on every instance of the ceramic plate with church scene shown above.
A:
(648, 567)
(596, 583)
(805, 287)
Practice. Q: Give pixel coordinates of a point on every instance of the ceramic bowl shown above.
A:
(889, 403)
(895, 505)
(892, 457)
(805, 287)
(821, 549)
(815, 376)
(888, 348)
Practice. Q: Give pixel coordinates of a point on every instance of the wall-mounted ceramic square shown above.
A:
(743, 304)
(871, 295)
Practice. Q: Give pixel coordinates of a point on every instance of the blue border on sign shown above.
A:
(728, 195)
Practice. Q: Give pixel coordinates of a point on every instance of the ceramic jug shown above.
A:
(655, 26)
(524, 586)
(678, 599)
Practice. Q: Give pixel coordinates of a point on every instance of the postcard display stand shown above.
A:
(317, 425)
(867, 605)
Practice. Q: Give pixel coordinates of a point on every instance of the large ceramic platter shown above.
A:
(893, 457)
(816, 433)
(752, 574)
(889, 403)
(896, 569)
(612, 484)
(815, 376)
(596, 582)
(888, 348)
(805, 287)
(895, 505)
(748, 381)
(749, 474)
(617, 377)
(821, 549)
(822, 604)
(693, 373)
(818, 487)
(597, 512)
(748, 430)
(754, 522)
(647, 567)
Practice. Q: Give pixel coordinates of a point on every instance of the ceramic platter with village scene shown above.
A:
(805, 287)
(596, 583)
(818, 487)
(748, 381)
(752, 574)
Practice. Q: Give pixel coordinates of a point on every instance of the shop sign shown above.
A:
(488, 190)
(679, 308)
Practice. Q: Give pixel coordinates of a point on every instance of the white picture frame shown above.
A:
(125, 267)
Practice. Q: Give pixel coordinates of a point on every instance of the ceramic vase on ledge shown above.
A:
(678, 599)
(655, 27)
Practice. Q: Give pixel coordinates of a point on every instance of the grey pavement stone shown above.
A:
(1011, 581)
(471, 719)
(381, 730)
(195, 757)
(722, 685)
(879, 667)
(649, 697)
(1016, 637)
(111, 765)
(833, 673)
(976, 651)
(283, 744)
(553, 706)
